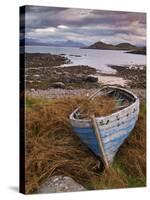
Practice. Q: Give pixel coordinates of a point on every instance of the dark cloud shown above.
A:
(53, 16)
(41, 16)
(44, 9)
(64, 23)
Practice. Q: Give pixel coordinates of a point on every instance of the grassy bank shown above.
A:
(53, 149)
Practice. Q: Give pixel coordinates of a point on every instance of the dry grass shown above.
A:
(99, 106)
(133, 152)
(53, 149)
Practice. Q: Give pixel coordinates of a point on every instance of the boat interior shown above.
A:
(121, 97)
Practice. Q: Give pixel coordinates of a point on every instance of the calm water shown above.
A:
(99, 59)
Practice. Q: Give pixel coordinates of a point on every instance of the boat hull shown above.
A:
(113, 129)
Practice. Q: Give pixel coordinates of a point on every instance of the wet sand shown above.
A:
(112, 80)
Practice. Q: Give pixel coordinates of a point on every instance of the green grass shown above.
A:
(132, 181)
(136, 182)
(30, 102)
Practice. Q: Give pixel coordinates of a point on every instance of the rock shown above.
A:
(60, 184)
(71, 78)
(36, 75)
(32, 90)
(58, 85)
(69, 88)
(91, 78)
(54, 72)
(30, 81)
(75, 55)
(66, 73)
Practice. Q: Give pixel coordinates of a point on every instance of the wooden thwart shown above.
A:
(100, 142)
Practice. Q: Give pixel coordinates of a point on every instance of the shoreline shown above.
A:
(41, 73)
(108, 79)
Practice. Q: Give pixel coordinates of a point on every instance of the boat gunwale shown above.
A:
(110, 115)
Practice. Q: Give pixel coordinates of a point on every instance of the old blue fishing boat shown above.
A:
(105, 134)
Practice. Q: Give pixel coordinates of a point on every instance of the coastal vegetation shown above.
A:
(53, 149)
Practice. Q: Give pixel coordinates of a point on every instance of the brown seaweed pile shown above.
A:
(99, 106)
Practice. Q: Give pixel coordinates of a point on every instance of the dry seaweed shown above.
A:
(53, 149)
(99, 106)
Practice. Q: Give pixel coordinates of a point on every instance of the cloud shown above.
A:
(52, 23)
(62, 27)
(45, 30)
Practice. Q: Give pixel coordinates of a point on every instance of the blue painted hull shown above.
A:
(113, 134)
(87, 135)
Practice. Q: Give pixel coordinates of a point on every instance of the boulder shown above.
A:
(66, 73)
(58, 85)
(36, 76)
(69, 88)
(91, 78)
(71, 78)
(32, 90)
(60, 184)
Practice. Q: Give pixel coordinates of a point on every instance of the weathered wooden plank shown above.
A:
(100, 142)
(117, 123)
(111, 124)
(115, 136)
(106, 132)
(119, 114)
(103, 121)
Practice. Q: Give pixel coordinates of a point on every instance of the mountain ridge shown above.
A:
(106, 46)
(65, 43)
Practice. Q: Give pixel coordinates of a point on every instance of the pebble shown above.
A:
(57, 93)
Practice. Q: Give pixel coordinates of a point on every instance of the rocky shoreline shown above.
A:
(44, 60)
(141, 51)
(43, 72)
(135, 74)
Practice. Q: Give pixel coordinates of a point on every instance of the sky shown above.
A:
(50, 24)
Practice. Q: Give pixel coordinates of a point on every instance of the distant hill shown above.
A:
(125, 46)
(121, 46)
(141, 51)
(67, 43)
(100, 45)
